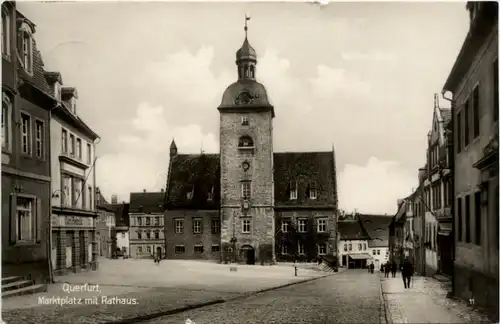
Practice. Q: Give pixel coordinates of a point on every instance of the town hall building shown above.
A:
(250, 204)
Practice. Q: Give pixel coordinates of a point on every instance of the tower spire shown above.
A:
(247, 18)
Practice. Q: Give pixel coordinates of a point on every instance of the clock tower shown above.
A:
(246, 166)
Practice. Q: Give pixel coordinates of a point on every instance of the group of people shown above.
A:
(406, 271)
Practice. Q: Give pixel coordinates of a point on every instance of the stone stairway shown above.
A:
(17, 286)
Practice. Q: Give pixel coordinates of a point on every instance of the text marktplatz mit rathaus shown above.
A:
(106, 300)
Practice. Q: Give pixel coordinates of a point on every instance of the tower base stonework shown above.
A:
(255, 247)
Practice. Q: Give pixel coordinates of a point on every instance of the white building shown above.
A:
(72, 149)
(353, 245)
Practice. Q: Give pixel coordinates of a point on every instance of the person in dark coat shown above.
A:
(394, 269)
(407, 273)
(372, 266)
(387, 269)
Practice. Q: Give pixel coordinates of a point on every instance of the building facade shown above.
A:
(26, 106)
(397, 234)
(353, 245)
(243, 195)
(377, 228)
(105, 226)
(72, 150)
(436, 189)
(473, 82)
(147, 229)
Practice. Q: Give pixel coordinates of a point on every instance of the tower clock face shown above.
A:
(245, 166)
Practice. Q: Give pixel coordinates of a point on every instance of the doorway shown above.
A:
(344, 261)
(158, 252)
(247, 254)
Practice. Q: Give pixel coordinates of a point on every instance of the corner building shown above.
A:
(247, 192)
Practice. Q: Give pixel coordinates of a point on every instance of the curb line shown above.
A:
(142, 318)
(385, 306)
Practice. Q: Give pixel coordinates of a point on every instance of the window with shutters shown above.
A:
(495, 91)
(6, 23)
(467, 220)
(475, 111)
(467, 116)
(26, 213)
(313, 193)
(293, 190)
(25, 134)
(6, 122)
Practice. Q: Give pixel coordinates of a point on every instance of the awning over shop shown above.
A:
(444, 229)
(360, 256)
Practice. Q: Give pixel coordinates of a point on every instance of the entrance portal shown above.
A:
(247, 254)
(158, 252)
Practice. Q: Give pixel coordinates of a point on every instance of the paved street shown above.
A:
(350, 297)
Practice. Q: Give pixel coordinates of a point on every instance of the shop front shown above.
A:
(74, 243)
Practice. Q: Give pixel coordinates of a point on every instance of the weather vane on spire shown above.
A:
(247, 18)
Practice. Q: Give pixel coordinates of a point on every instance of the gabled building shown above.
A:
(74, 214)
(353, 244)
(26, 174)
(377, 229)
(436, 190)
(473, 82)
(105, 226)
(231, 205)
(397, 246)
(146, 231)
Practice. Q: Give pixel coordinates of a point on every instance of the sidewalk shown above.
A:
(425, 302)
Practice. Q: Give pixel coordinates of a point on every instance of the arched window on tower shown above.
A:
(247, 71)
(245, 142)
(252, 72)
(240, 72)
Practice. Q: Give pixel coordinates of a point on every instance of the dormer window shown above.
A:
(57, 91)
(190, 193)
(313, 193)
(210, 195)
(244, 120)
(245, 142)
(73, 105)
(5, 32)
(26, 48)
(293, 190)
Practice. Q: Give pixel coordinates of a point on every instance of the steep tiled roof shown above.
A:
(121, 213)
(196, 173)
(146, 202)
(351, 230)
(38, 78)
(377, 228)
(203, 172)
(306, 169)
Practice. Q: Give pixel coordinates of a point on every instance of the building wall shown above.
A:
(56, 128)
(311, 238)
(188, 239)
(483, 258)
(104, 225)
(476, 261)
(344, 249)
(431, 258)
(122, 241)
(139, 247)
(380, 255)
(260, 173)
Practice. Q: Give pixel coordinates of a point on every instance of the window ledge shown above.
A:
(25, 243)
(246, 148)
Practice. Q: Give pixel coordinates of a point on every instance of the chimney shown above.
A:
(143, 190)
(114, 199)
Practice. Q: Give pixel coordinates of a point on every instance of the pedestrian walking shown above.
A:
(394, 269)
(407, 273)
(372, 267)
(387, 269)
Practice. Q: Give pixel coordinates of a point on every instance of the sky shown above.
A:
(358, 76)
